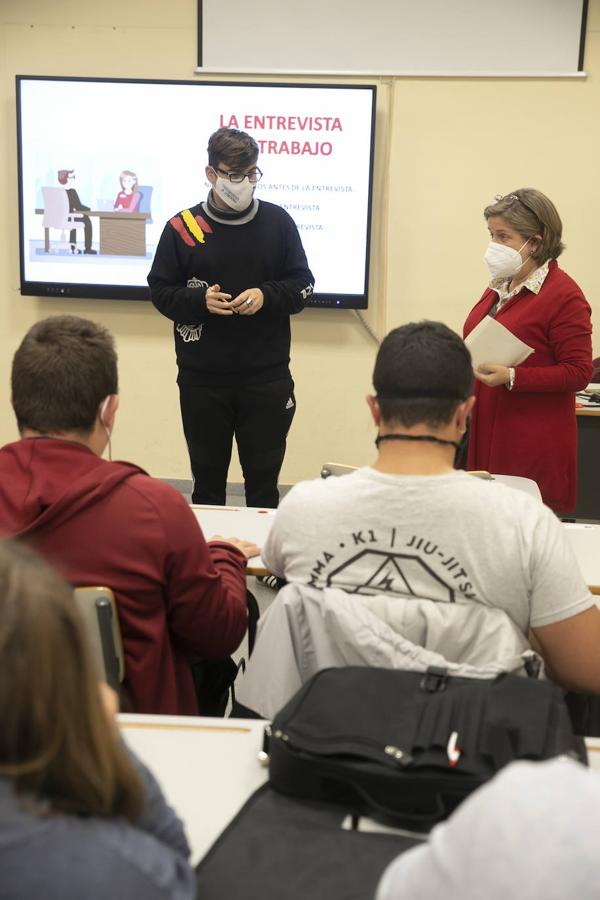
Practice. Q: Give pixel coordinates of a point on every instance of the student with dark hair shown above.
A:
(524, 421)
(79, 815)
(229, 272)
(412, 527)
(108, 523)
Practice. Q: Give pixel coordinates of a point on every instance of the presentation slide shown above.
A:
(109, 141)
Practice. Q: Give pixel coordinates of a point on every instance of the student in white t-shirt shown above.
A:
(411, 525)
(532, 832)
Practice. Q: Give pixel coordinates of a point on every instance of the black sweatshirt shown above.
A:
(261, 249)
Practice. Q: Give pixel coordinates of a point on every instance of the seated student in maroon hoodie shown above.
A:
(109, 523)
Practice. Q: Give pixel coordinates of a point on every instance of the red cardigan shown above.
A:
(532, 430)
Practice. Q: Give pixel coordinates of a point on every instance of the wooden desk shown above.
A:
(246, 522)
(207, 767)
(120, 233)
(588, 464)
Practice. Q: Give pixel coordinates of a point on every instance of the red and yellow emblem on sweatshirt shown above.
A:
(191, 229)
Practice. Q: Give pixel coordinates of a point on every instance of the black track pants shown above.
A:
(258, 416)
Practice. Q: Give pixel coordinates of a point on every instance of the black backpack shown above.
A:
(214, 679)
(407, 747)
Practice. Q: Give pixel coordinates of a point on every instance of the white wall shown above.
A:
(444, 147)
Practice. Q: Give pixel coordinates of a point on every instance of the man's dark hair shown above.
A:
(63, 369)
(234, 148)
(422, 372)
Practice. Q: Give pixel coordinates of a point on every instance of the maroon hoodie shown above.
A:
(109, 523)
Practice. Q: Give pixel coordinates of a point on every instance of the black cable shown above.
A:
(414, 437)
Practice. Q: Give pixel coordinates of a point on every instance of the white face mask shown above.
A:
(502, 261)
(237, 196)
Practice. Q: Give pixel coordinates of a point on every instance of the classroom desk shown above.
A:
(593, 749)
(208, 767)
(585, 540)
(588, 464)
(246, 522)
(518, 483)
(252, 524)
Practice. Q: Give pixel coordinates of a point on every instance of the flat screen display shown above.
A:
(134, 153)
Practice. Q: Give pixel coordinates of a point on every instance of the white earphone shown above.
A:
(102, 413)
(103, 410)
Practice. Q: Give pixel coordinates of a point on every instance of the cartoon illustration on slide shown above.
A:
(128, 198)
(111, 227)
(66, 177)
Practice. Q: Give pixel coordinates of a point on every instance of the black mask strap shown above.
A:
(414, 437)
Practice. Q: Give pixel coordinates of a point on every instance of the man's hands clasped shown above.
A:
(245, 304)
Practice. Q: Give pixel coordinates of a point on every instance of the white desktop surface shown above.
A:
(252, 524)
(207, 767)
(248, 523)
(593, 749)
(520, 484)
(585, 540)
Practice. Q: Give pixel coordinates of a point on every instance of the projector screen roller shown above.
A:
(137, 150)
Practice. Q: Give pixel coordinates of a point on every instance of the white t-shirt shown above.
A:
(451, 538)
(531, 833)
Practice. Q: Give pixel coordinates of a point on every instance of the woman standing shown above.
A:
(524, 420)
(79, 816)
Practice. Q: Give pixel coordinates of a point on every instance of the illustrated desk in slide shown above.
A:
(121, 234)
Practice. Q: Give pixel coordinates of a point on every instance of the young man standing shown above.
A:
(411, 526)
(108, 523)
(230, 272)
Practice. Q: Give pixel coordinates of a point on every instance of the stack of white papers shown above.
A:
(491, 342)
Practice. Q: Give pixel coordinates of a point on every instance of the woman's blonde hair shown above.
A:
(56, 740)
(530, 212)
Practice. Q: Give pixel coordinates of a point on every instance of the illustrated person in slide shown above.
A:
(128, 198)
(230, 272)
(66, 177)
(524, 420)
